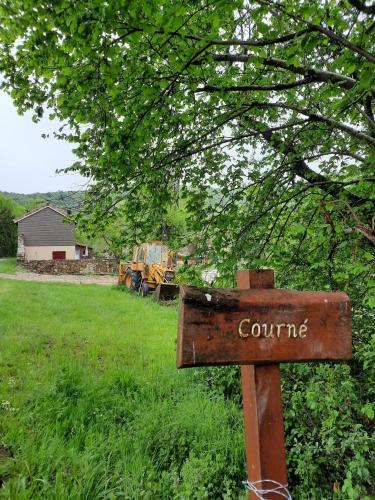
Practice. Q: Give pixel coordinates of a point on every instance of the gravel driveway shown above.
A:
(62, 278)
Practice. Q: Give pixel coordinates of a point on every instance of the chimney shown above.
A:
(69, 211)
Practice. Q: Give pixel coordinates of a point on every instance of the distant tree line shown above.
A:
(60, 199)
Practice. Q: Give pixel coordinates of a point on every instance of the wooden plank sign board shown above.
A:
(260, 326)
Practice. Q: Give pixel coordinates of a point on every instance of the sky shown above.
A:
(27, 161)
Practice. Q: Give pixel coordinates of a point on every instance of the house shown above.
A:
(43, 235)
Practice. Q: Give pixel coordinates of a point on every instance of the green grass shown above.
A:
(92, 406)
(8, 265)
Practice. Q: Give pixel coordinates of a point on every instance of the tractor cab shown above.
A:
(152, 269)
(151, 252)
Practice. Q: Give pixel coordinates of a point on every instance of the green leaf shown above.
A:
(369, 410)
(351, 68)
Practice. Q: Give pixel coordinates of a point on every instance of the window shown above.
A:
(156, 253)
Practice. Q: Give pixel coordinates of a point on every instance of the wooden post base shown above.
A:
(262, 405)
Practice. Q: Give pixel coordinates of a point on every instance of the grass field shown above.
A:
(8, 265)
(92, 406)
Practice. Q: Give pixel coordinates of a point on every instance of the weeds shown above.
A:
(100, 410)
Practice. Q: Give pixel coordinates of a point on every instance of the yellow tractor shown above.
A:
(152, 269)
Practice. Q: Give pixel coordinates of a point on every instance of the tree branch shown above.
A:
(344, 42)
(230, 41)
(361, 6)
(269, 209)
(247, 88)
(318, 75)
(262, 43)
(301, 169)
(341, 40)
(368, 108)
(182, 151)
(367, 231)
(342, 152)
(370, 121)
(320, 118)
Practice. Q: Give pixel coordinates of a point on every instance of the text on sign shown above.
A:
(247, 328)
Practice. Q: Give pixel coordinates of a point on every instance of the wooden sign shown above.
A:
(257, 327)
(231, 326)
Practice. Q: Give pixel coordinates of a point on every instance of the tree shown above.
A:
(8, 233)
(8, 230)
(243, 109)
(268, 92)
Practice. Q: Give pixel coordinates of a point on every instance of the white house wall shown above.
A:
(45, 252)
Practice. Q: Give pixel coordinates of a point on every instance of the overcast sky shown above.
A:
(27, 161)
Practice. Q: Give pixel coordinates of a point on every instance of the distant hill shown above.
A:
(15, 208)
(60, 199)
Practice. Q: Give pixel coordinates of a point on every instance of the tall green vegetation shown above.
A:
(329, 414)
(8, 233)
(8, 229)
(92, 406)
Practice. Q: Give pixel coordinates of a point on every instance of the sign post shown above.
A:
(257, 327)
(262, 407)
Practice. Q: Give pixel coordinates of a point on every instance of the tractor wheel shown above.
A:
(144, 289)
(128, 279)
(136, 280)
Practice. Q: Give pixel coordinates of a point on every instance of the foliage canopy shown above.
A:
(246, 109)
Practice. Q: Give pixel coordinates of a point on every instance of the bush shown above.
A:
(329, 409)
(329, 414)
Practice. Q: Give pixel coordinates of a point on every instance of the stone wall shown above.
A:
(83, 266)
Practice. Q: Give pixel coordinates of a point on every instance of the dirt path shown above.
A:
(62, 278)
